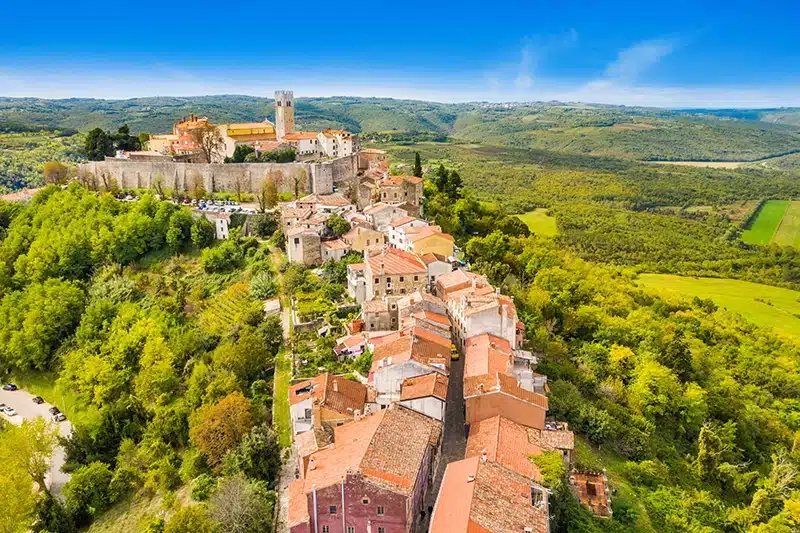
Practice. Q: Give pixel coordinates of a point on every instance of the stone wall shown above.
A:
(248, 177)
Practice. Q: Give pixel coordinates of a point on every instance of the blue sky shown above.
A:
(667, 53)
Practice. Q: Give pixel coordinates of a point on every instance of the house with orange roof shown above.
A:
(374, 477)
(362, 239)
(390, 272)
(458, 280)
(368, 157)
(425, 394)
(326, 400)
(326, 203)
(398, 227)
(437, 265)
(410, 353)
(428, 320)
(497, 393)
(351, 345)
(427, 239)
(305, 143)
(478, 495)
(334, 249)
(487, 353)
(337, 143)
(419, 301)
(405, 191)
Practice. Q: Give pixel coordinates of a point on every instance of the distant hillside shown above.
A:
(610, 131)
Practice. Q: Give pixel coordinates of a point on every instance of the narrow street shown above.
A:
(454, 440)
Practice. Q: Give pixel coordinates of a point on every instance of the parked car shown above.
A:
(54, 410)
(38, 400)
(10, 411)
(59, 417)
(9, 386)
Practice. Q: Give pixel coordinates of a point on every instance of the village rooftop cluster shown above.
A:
(368, 452)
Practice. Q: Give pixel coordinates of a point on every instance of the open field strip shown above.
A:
(788, 233)
(763, 305)
(763, 228)
(539, 222)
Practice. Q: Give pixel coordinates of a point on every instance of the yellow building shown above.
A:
(247, 133)
(360, 239)
(429, 239)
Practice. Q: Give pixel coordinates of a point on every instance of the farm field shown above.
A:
(763, 228)
(540, 222)
(788, 233)
(751, 300)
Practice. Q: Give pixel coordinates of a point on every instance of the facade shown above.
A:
(405, 190)
(498, 394)
(303, 246)
(284, 113)
(369, 157)
(397, 230)
(247, 133)
(325, 400)
(425, 394)
(427, 240)
(475, 314)
(393, 273)
(379, 315)
(362, 239)
(305, 143)
(334, 249)
(337, 143)
(427, 320)
(437, 266)
(374, 477)
(482, 496)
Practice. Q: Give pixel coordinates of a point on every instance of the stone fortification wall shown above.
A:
(248, 177)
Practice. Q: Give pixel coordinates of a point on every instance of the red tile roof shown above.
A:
(499, 383)
(396, 262)
(485, 497)
(298, 503)
(487, 354)
(433, 384)
(505, 442)
(592, 491)
(405, 220)
(418, 345)
(442, 320)
(300, 136)
(417, 233)
(333, 392)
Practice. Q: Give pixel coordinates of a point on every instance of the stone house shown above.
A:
(361, 239)
(478, 495)
(291, 217)
(325, 400)
(326, 203)
(496, 393)
(374, 477)
(381, 215)
(458, 280)
(425, 394)
(437, 266)
(592, 489)
(412, 353)
(393, 272)
(303, 246)
(427, 320)
(403, 190)
(420, 301)
(473, 313)
(305, 143)
(334, 249)
(379, 315)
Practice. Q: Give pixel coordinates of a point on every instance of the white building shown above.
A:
(305, 143)
(381, 215)
(337, 143)
(398, 228)
(425, 394)
(474, 314)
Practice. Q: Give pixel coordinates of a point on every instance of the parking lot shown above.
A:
(22, 402)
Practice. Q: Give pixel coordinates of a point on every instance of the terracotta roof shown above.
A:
(417, 233)
(405, 220)
(296, 212)
(330, 133)
(591, 488)
(499, 383)
(433, 317)
(333, 392)
(560, 438)
(375, 208)
(300, 136)
(351, 341)
(373, 151)
(505, 442)
(432, 258)
(298, 503)
(398, 180)
(485, 497)
(336, 244)
(356, 266)
(399, 447)
(375, 306)
(420, 296)
(388, 448)
(433, 384)
(458, 278)
(487, 354)
(396, 262)
(268, 146)
(306, 443)
(299, 230)
(325, 199)
(356, 231)
(418, 345)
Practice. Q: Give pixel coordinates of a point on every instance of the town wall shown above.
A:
(231, 177)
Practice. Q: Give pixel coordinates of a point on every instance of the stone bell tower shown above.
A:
(284, 113)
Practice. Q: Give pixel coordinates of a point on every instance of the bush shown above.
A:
(257, 457)
(624, 511)
(203, 232)
(262, 286)
(193, 464)
(192, 519)
(203, 486)
(225, 257)
(88, 492)
(265, 226)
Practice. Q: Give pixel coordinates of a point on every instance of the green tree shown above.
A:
(98, 145)
(55, 172)
(33, 443)
(51, 516)
(87, 492)
(17, 495)
(124, 141)
(258, 456)
(179, 231)
(241, 152)
(337, 225)
(417, 165)
(191, 519)
(203, 232)
(242, 507)
(263, 286)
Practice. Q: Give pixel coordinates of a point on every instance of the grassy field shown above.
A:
(788, 233)
(763, 305)
(703, 164)
(763, 228)
(540, 222)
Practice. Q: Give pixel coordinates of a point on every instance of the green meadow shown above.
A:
(540, 222)
(764, 227)
(763, 305)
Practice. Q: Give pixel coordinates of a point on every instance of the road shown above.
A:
(22, 402)
(454, 441)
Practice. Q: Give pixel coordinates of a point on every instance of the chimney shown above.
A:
(497, 291)
(312, 464)
(315, 412)
(483, 455)
(383, 269)
(480, 387)
(335, 385)
(470, 478)
(357, 415)
(474, 284)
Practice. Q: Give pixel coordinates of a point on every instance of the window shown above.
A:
(308, 413)
(325, 529)
(332, 509)
(351, 529)
(401, 278)
(380, 511)
(365, 501)
(416, 278)
(377, 280)
(381, 530)
(296, 240)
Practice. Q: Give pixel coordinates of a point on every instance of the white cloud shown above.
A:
(633, 61)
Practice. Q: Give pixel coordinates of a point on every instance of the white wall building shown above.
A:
(425, 394)
(398, 228)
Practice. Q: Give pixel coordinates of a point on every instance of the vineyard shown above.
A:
(227, 308)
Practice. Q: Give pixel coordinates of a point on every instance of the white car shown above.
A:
(10, 411)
